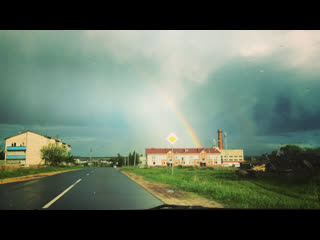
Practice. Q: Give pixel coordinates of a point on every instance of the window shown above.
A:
(154, 163)
(183, 163)
(182, 158)
(176, 163)
(208, 162)
(197, 162)
(191, 157)
(177, 156)
(190, 162)
(153, 157)
(215, 162)
(203, 159)
(164, 163)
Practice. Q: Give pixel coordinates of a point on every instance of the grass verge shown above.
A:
(28, 171)
(223, 185)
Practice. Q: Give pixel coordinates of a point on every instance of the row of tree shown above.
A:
(133, 159)
(288, 157)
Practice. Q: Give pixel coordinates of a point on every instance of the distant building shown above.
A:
(203, 157)
(24, 148)
(231, 157)
(143, 161)
(183, 156)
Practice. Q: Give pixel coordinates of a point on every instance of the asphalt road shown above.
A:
(85, 189)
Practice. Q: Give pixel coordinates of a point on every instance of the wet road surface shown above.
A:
(85, 189)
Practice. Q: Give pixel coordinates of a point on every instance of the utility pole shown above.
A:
(90, 154)
(226, 144)
(172, 159)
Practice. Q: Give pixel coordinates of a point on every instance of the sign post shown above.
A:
(172, 138)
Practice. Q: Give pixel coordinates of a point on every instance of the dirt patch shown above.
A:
(31, 176)
(170, 195)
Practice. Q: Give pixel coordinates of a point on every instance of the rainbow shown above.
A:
(174, 107)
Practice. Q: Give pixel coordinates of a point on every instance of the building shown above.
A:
(143, 161)
(183, 156)
(24, 148)
(230, 157)
(203, 157)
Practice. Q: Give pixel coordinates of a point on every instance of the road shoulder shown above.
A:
(170, 195)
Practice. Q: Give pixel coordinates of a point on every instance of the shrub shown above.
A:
(54, 156)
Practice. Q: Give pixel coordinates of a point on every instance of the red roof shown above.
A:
(181, 150)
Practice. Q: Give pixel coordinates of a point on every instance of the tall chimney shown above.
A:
(220, 139)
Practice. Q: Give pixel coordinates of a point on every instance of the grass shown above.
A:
(27, 171)
(226, 187)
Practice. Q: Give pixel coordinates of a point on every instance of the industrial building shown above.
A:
(24, 148)
(203, 157)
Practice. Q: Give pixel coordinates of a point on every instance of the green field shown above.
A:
(25, 171)
(224, 186)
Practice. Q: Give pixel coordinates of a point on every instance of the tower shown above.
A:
(225, 139)
(220, 144)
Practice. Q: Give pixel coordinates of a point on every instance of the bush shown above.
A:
(2, 155)
(54, 156)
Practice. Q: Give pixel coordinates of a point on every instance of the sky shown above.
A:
(120, 91)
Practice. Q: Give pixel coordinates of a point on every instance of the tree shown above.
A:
(70, 159)
(130, 158)
(54, 156)
(2, 155)
(291, 150)
(120, 160)
(134, 157)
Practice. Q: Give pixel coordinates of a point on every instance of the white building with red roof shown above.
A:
(203, 157)
(183, 156)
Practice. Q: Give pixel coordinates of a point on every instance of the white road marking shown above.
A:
(60, 195)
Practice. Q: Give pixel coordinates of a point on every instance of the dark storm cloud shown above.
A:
(288, 117)
(50, 78)
(256, 99)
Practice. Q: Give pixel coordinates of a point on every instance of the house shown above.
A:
(24, 148)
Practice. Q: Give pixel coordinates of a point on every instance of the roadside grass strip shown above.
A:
(226, 187)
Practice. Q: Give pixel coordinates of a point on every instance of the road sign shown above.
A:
(172, 138)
